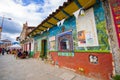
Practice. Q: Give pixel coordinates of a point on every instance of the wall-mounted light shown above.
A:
(82, 12)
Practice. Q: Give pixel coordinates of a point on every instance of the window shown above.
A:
(65, 41)
(64, 44)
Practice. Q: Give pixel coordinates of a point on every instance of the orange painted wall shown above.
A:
(102, 70)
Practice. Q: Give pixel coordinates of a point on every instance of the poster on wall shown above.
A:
(52, 43)
(115, 7)
(86, 30)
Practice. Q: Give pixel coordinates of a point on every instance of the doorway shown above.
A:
(44, 48)
(29, 46)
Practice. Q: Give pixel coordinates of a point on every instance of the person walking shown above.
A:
(3, 50)
(0, 50)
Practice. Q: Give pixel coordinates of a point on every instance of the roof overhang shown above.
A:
(62, 12)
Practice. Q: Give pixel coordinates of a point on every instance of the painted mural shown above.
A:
(101, 29)
(97, 35)
(58, 32)
(90, 39)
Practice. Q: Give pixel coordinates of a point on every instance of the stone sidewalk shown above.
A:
(33, 69)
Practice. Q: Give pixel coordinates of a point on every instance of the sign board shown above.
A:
(65, 53)
(115, 7)
(86, 29)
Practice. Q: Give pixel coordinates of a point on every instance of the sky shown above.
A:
(21, 11)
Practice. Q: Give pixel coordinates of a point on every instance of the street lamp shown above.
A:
(2, 24)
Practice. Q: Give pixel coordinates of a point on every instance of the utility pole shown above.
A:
(2, 25)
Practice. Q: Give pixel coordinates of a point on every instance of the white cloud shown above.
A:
(20, 14)
(11, 37)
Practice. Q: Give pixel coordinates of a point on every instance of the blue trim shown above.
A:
(77, 3)
(66, 32)
(97, 1)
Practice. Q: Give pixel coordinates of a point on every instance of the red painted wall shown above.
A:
(102, 70)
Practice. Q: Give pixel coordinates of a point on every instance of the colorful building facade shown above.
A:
(79, 42)
(5, 43)
(25, 41)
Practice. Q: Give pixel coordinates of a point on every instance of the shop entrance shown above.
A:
(44, 48)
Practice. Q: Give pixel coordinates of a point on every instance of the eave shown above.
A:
(62, 12)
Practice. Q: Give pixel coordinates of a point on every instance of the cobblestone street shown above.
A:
(33, 69)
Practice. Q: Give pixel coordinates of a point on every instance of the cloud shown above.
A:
(11, 37)
(32, 11)
(11, 27)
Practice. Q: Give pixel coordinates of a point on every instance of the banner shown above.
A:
(115, 7)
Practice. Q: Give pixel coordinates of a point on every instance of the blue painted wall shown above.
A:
(70, 24)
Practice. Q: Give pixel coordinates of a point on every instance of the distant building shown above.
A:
(23, 39)
(5, 43)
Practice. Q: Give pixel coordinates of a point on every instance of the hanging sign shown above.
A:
(115, 7)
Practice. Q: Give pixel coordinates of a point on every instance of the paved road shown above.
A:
(33, 69)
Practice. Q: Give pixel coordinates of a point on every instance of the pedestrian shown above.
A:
(7, 50)
(0, 50)
(18, 54)
(3, 50)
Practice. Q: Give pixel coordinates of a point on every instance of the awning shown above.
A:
(15, 46)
